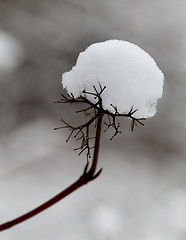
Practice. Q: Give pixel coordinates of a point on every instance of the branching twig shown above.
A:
(81, 133)
(87, 176)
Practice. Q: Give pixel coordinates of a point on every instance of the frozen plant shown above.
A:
(114, 78)
(131, 77)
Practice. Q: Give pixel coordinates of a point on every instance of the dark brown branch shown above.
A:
(96, 107)
(83, 131)
(96, 146)
(87, 176)
(112, 124)
(80, 182)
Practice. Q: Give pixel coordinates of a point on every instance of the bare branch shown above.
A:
(81, 133)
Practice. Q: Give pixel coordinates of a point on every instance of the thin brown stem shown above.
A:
(86, 177)
(80, 182)
(97, 145)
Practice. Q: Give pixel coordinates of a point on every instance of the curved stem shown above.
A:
(80, 182)
(86, 177)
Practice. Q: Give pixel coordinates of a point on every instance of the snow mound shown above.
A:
(131, 76)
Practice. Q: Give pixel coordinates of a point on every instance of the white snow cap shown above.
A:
(131, 76)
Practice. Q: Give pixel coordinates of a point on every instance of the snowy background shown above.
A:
(141, 194)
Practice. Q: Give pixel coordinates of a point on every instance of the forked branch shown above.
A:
(87, 176)
(81, 133)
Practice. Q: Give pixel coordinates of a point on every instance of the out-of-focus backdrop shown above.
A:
(141, 194)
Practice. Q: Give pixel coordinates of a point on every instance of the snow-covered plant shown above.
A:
(114, 78)
(131, 76)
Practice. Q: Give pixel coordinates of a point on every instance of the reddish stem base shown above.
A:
(80, 182)
(87, 176)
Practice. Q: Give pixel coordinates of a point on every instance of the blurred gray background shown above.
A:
(141, 194)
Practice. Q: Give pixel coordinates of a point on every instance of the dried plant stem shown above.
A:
(87, 176)
(97, 145)
(44, 206)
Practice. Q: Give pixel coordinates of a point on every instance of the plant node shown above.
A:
(81, 132)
